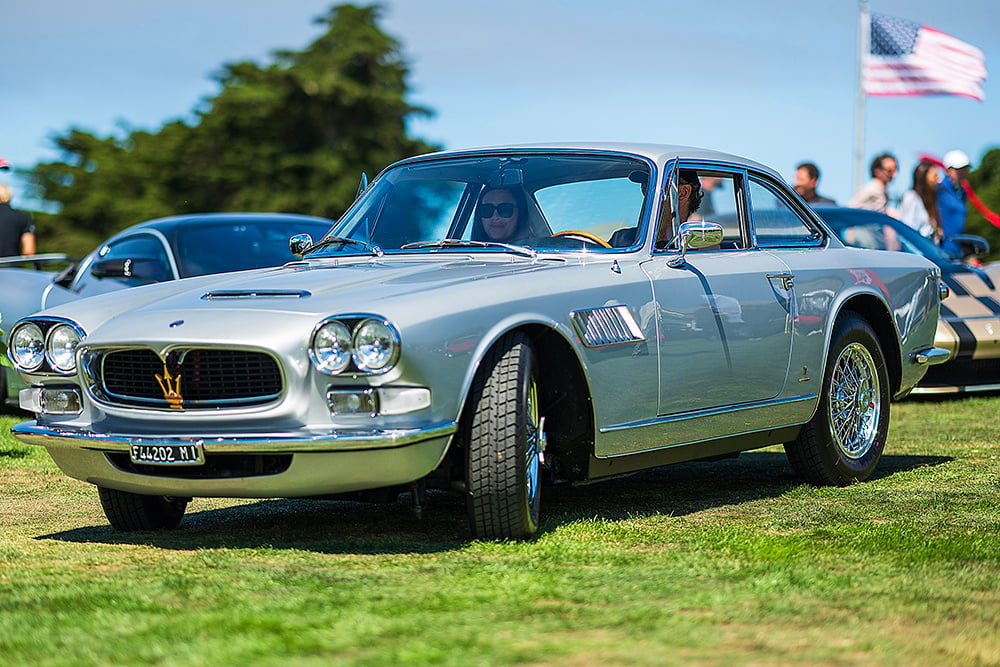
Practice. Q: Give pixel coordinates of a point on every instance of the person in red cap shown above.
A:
(952, 199)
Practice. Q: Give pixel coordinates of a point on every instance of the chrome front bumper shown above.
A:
(322, 463)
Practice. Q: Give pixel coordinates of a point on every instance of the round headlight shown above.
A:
(376, 345)
(27, 347)
(60, 348)
(331, 348)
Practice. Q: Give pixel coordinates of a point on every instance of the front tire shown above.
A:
(505, 440)
(129, 512)
(844, 440)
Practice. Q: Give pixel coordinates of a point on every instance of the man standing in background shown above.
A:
(874, 194)
(952, 198)
(806, 180)
(17, 232)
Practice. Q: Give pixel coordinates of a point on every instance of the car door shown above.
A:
(724, 314)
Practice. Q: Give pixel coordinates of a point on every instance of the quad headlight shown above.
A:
(360, 343)
(27, 347)
(45, 345)
(331, 348)
(376, 345)
(60, 348)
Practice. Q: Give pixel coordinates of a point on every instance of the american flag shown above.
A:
(906, 58)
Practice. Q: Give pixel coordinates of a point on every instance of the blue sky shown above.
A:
(773, 80)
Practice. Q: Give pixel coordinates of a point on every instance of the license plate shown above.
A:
(189, 454)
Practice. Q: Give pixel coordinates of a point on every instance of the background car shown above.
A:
(149, 252)
(415, 347)
(969, 325)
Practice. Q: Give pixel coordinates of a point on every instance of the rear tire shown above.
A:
(844, 440)
(131, 511)
(504, 443)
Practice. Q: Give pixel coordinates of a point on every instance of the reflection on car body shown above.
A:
(418, 356)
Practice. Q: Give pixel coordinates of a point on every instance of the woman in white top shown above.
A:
(919, 208)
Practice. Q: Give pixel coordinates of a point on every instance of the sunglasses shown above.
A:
(503, 210)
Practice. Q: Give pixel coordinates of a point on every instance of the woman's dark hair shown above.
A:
(520, 200)
(927, 193)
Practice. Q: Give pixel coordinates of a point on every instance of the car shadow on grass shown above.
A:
(326, 526)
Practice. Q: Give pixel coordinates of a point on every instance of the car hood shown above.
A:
(307, 290)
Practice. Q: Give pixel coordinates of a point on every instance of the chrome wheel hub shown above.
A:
(855, 401)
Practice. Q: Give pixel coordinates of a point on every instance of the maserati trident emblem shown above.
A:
(171, 387)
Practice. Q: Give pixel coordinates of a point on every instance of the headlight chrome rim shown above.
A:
(61, 343)
(376, 345)
(28, 354)
(330, 347)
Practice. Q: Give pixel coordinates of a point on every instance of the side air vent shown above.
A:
(608, 325)
(256, 294)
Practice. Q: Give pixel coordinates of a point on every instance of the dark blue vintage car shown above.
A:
(969, 326)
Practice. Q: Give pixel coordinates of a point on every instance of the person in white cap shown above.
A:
(951, 198)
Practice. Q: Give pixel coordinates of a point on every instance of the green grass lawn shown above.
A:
(734, 562)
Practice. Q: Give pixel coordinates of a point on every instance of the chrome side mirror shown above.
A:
(299, 244)
(696, 236)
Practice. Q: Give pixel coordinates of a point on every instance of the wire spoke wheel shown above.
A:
(855, 401)
(843, 442)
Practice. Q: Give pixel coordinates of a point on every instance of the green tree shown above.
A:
(985, 180)
(292, 135)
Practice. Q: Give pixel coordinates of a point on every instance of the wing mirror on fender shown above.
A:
(299, 243)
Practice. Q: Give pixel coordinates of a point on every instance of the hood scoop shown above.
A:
(255, 294)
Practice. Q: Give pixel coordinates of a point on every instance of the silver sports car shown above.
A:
(491, 321)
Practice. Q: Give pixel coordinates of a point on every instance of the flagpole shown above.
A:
(864, 26)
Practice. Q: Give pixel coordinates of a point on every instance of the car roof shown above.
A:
(171, 222)
(658, 153)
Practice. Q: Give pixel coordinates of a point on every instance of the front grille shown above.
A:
(200, 378)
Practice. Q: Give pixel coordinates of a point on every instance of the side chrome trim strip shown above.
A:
(728, 409)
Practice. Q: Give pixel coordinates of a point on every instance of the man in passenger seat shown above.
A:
(689, 196)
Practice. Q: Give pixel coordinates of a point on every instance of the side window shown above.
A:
(148, 258)
(775, 220)
(710, 195)
(719, 204)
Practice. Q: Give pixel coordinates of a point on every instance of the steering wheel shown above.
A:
(581, 235)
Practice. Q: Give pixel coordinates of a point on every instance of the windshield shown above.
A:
(499, 203)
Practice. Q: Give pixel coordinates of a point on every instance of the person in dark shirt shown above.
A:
(17, 232)
(806, 180)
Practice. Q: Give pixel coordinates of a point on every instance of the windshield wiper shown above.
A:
(341, 240)
(459, 243)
